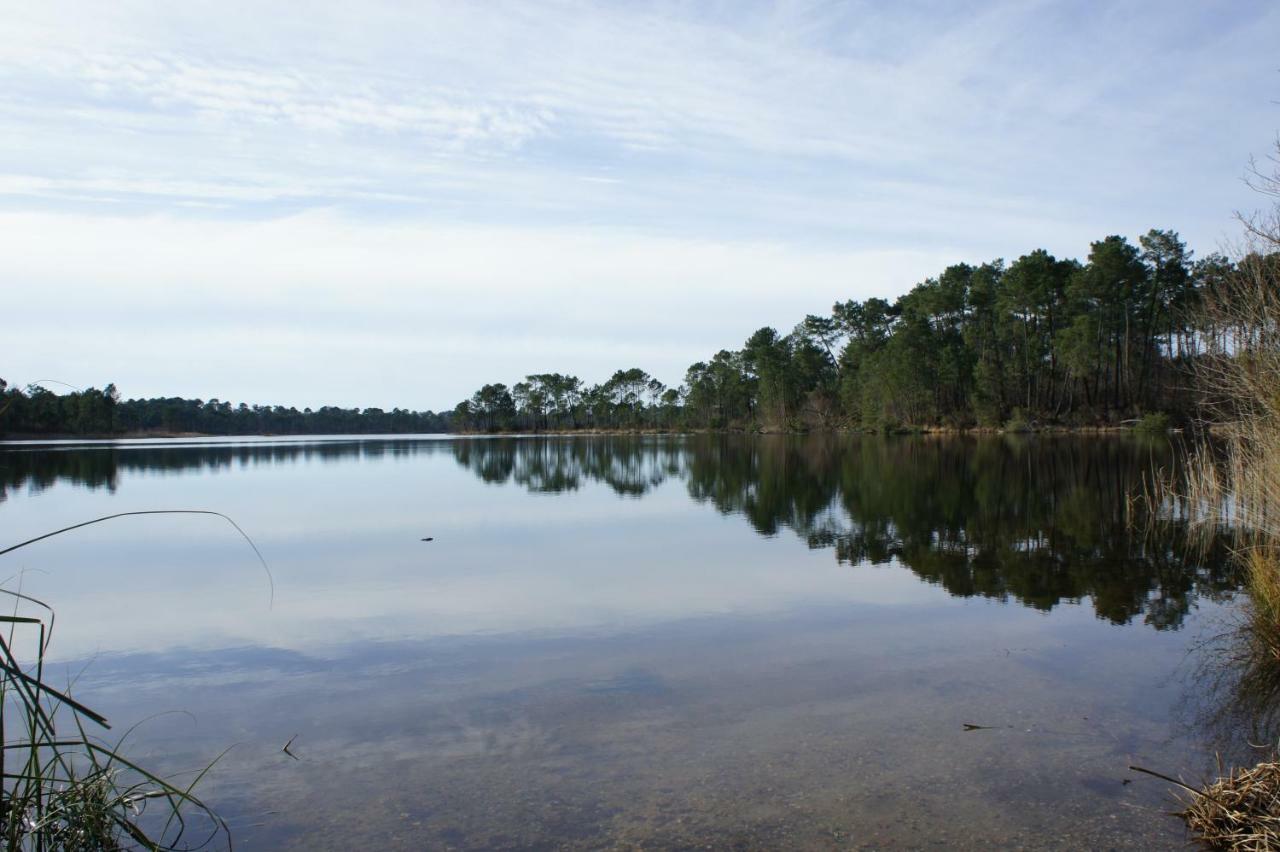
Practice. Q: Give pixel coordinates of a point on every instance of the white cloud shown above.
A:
(225, 200)
(318, 308)
(996, 95)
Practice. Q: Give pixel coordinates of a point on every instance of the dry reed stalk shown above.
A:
(1240, 811)
(1233, 485)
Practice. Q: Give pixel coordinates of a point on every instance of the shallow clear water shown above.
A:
(741, 642)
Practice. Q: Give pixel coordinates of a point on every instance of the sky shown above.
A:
(390, 204)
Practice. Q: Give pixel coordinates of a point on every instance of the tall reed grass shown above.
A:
(65, 785)
(1231, 485)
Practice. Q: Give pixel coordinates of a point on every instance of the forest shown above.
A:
(1039, 341)
(37, 411)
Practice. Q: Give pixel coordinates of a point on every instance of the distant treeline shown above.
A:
(1038, 340)
(36, 410)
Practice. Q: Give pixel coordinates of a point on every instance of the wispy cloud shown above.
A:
(392, 313)
(861, 131)
(916, 93)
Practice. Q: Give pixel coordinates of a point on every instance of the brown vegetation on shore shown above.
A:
(1233, 485)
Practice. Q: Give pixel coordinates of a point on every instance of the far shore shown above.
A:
(1109, 429)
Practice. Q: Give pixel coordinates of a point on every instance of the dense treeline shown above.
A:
(1040, 339)
(36, 410)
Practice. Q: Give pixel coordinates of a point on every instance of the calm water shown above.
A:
(643, 643)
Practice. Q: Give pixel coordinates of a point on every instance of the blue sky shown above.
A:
(392, 203)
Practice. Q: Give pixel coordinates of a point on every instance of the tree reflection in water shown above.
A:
(1036, 520)
(1232, 694)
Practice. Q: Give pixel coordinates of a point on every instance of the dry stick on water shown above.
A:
(1170, 779)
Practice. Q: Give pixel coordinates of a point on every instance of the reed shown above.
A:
(1231, 485)
(1238, 811)
(65, 785)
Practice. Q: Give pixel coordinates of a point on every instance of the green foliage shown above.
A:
(1066, 342)
(65, 789)
(493, 408)
(1041, 339)
(1155, 423)
(1018, 422)
(36, 410)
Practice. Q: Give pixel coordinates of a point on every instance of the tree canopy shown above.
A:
(1039, 339)
(35, 410)
(1056, 341)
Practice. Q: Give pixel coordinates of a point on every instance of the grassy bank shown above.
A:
(1233, 486)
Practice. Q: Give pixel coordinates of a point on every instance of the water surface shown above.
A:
(741, 642)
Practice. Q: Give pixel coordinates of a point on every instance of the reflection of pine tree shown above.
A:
(1038, 522)
(1034, 521)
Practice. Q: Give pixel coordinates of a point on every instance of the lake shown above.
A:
(648, 642)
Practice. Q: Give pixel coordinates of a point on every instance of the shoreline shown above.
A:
(600, 432)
